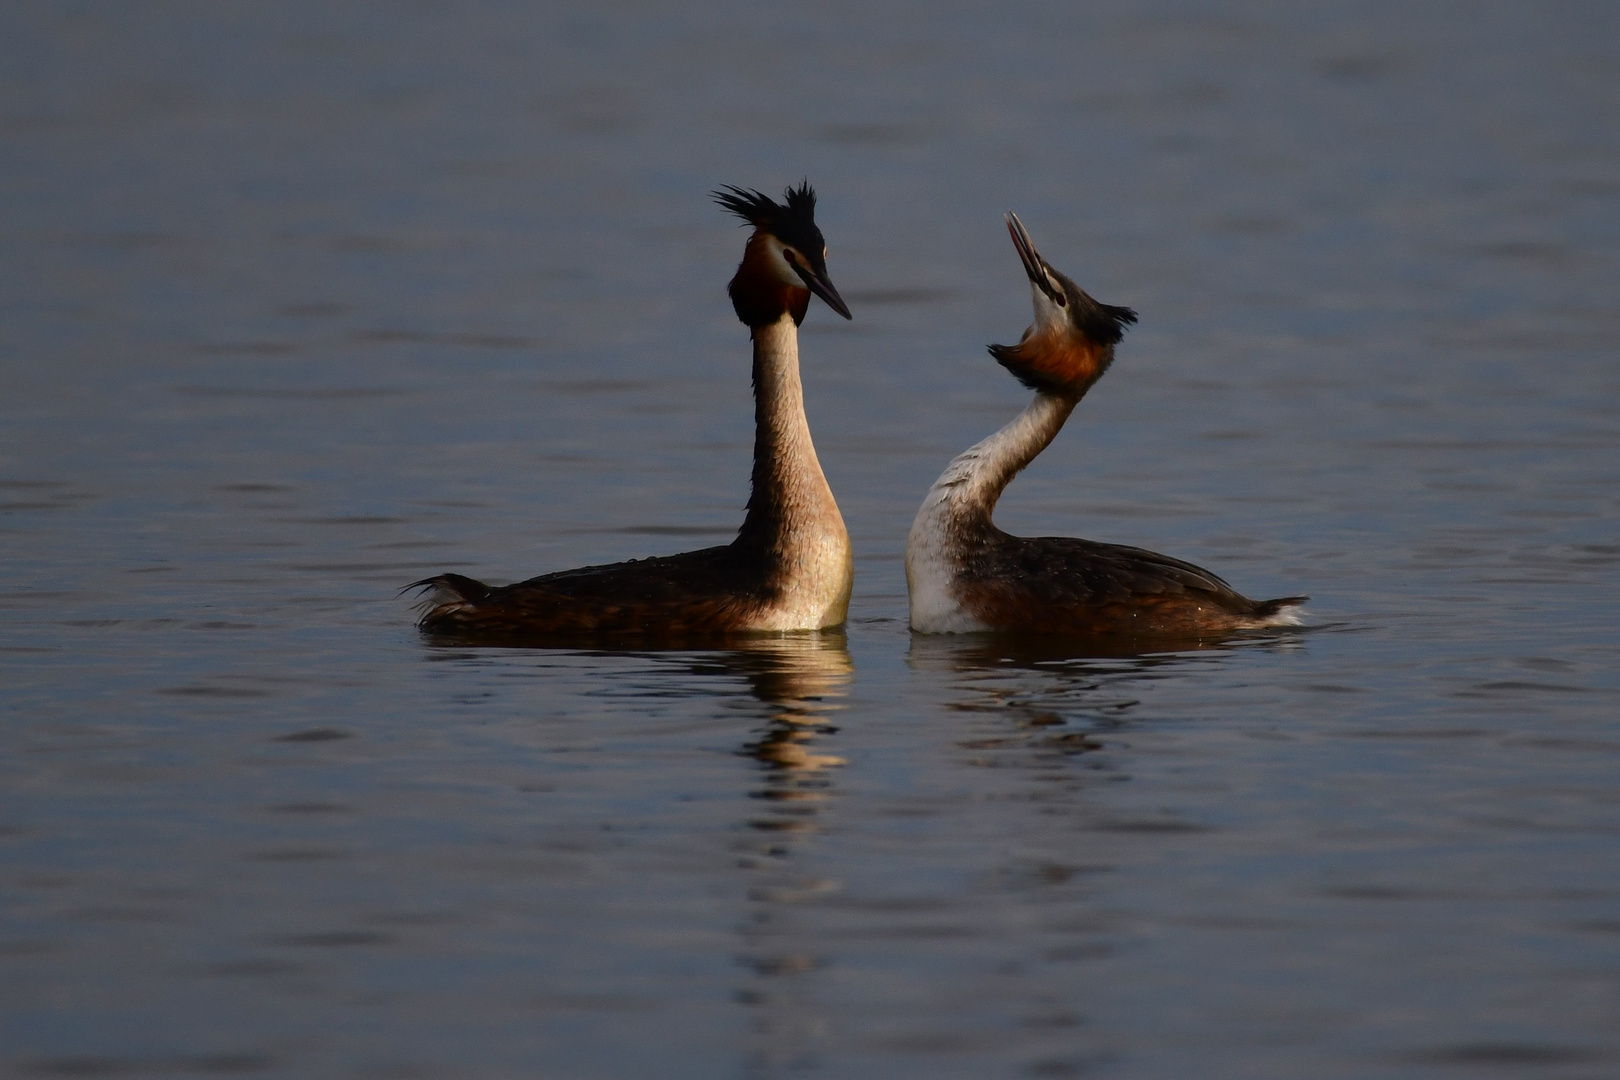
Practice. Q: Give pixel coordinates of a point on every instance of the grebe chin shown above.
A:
(790, 566)
(965, 575)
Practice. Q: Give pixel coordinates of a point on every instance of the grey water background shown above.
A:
(299, 302)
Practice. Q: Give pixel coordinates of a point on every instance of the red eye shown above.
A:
(787, 253)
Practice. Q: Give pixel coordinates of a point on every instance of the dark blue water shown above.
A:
(300, 302)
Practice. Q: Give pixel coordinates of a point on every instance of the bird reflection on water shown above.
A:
(772, 701)
(800, 678)
(784, 854)
(1059, 694)
(801, 681)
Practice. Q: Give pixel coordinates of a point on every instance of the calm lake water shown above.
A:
(299, 302)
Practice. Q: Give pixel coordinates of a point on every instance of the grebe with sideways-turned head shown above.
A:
(965, 575)
(790, 566)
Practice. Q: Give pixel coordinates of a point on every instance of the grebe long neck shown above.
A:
(792, 515)
(972, 483)
(955, 517)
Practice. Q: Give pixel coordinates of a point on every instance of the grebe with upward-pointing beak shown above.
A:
(789, 568)
(965, 575)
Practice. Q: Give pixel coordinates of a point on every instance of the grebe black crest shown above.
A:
(789, 568)
(786, 234)
(966, 575)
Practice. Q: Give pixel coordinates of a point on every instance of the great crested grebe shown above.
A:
(966, 575)
(790, 566)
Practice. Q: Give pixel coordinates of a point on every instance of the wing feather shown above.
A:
(696, 592)
(1066, 584)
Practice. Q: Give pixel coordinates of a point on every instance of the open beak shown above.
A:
(816, 282)
(1034, 265)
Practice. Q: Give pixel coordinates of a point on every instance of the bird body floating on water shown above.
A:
(790, 567)
(966, 575)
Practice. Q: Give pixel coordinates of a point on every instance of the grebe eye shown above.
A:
(787, 253)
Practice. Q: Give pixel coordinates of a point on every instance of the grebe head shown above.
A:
(1071, 343)
(786, 258)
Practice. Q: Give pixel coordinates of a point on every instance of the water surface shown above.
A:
(299, 303)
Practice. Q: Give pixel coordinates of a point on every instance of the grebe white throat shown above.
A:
(969, 487)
